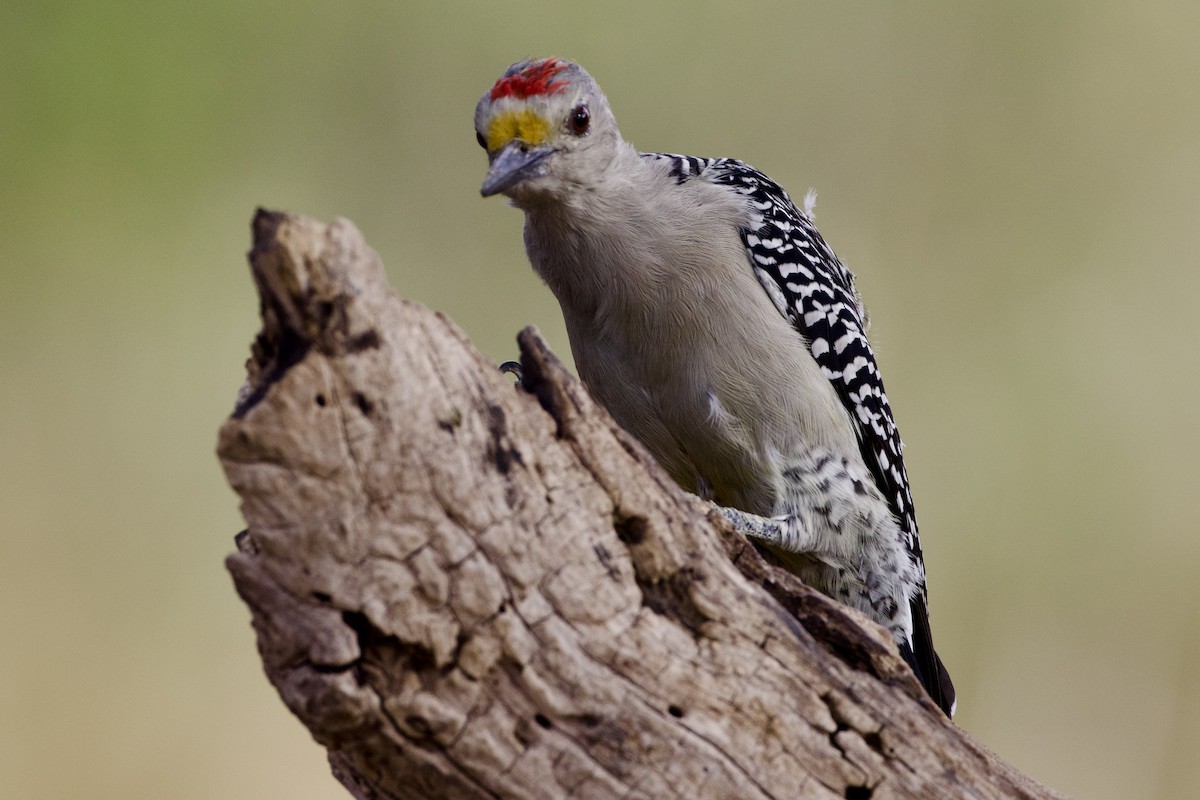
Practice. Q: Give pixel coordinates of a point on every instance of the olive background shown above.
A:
(1016, 184)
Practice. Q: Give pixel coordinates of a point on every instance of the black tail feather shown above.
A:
(925, 662)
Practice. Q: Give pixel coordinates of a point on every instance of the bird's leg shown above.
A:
(829, 510)
(785, 532)
(878, 584)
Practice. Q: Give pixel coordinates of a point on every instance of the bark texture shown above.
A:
(470, 589)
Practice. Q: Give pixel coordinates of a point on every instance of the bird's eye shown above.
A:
(482, 141)
(580, 119)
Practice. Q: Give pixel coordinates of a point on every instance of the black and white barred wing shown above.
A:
(811, 287)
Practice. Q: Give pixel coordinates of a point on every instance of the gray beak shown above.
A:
(513, 164)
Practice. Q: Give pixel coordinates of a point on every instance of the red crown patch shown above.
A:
(533, 80)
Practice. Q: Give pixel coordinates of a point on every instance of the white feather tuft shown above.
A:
(810, 203)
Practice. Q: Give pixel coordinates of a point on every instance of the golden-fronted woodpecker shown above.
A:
(710, 318)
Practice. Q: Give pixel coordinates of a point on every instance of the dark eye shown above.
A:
(482, 141)
(579, 120)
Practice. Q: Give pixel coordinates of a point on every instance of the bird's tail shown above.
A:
(925, 662)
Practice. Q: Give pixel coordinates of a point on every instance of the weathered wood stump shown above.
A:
(469, 589)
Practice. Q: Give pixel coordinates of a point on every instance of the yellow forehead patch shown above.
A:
(524, 124)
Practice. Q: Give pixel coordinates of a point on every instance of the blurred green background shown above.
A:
(1016, 184)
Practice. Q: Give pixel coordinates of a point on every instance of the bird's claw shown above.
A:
(514, 368)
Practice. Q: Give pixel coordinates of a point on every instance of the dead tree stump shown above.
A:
(469, 589)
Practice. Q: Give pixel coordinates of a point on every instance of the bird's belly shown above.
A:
(714, 381)
(683, 417)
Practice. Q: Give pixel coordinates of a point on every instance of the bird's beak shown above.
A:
(513, 164)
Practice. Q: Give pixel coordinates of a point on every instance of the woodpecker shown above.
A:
(709, 317)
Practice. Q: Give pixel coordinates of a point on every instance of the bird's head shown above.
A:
(547, 130)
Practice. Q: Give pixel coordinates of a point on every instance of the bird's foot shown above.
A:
(514, 368)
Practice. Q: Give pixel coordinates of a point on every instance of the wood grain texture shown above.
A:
(470, 589)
